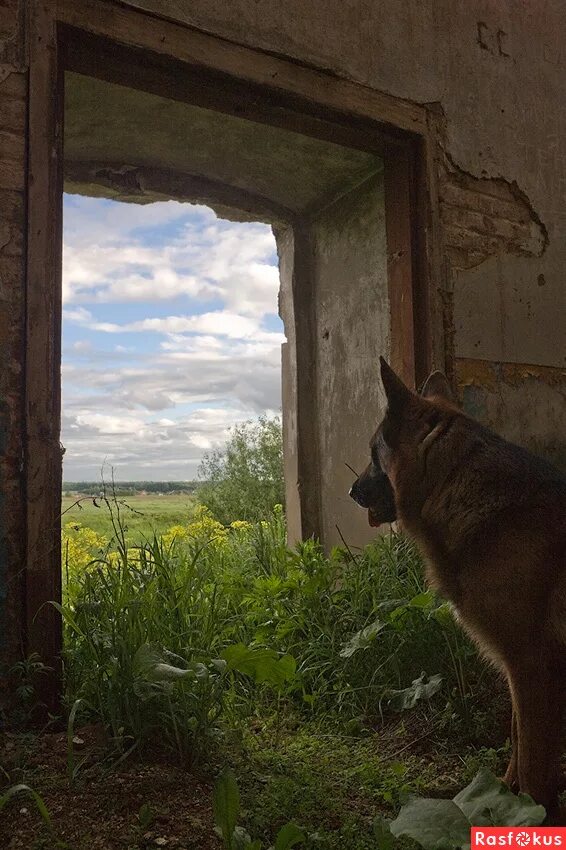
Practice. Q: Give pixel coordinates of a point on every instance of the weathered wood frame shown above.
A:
(103, 39)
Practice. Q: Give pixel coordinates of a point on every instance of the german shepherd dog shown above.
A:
(490, 520)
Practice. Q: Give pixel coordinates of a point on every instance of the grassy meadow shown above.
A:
(143, 515)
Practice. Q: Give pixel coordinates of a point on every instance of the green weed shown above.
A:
(217, 606)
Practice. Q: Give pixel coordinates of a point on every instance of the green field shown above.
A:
(142, 515)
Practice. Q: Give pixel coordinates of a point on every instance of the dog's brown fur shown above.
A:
(490, 519)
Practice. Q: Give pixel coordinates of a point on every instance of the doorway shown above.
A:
(156, 111)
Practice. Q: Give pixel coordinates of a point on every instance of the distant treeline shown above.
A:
(130, 488)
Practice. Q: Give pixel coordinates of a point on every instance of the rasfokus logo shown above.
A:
(515, 837)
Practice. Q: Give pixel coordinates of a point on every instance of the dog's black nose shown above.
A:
(356, 494)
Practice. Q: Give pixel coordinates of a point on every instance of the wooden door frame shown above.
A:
(106, 39)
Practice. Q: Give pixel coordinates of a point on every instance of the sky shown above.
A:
(170, 336)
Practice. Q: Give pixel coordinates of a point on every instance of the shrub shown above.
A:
(244, 481)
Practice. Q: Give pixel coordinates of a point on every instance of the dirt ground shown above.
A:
(331, 783)
(129, 808)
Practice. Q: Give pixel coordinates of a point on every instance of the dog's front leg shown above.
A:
(536, 698)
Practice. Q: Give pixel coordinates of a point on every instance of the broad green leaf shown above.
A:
(389, 605)
(445, 824)
(434, 824)
(443, 615)
(226, 806)
(146, 816)
(262, 664)
(287, 667)
(426, 599)
(362, 639)
(383, 834)
(239, 657)
(149, 663)
(288, 836)
(421, 688)
(487, 801)
(219, 665)
(241, 840)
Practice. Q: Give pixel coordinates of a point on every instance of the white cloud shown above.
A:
(82, 346)
(246, 375)
(78, 315)
(218, 323)
(208, 259)
(136, 449)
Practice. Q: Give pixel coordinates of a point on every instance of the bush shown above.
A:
(244, 481)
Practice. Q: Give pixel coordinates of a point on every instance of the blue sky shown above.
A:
(170, 335)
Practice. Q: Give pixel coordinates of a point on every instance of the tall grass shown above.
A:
(150, 631)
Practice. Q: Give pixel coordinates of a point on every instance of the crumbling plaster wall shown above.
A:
(349, 273)
(496, 72)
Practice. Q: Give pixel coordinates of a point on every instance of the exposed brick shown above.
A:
(469, 240)
(466, 218)
(484, 217)
(465, 258)
(466, 198)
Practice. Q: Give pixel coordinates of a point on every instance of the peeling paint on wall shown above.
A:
(486, 216)
(489, 375)
(522, 401)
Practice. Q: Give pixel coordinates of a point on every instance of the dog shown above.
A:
(490, 519)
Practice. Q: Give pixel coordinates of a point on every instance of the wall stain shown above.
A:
(489, 374)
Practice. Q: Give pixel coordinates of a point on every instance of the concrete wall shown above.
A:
(497, 72)
(335, 307)
(286, 253)
(352, 329)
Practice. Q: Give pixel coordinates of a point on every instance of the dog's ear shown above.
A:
(437, 385)
(397, 393)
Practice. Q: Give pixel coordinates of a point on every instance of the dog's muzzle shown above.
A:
(357, 495)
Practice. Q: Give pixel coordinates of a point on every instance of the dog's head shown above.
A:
(411, 425)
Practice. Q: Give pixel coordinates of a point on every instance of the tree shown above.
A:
(244, 480)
